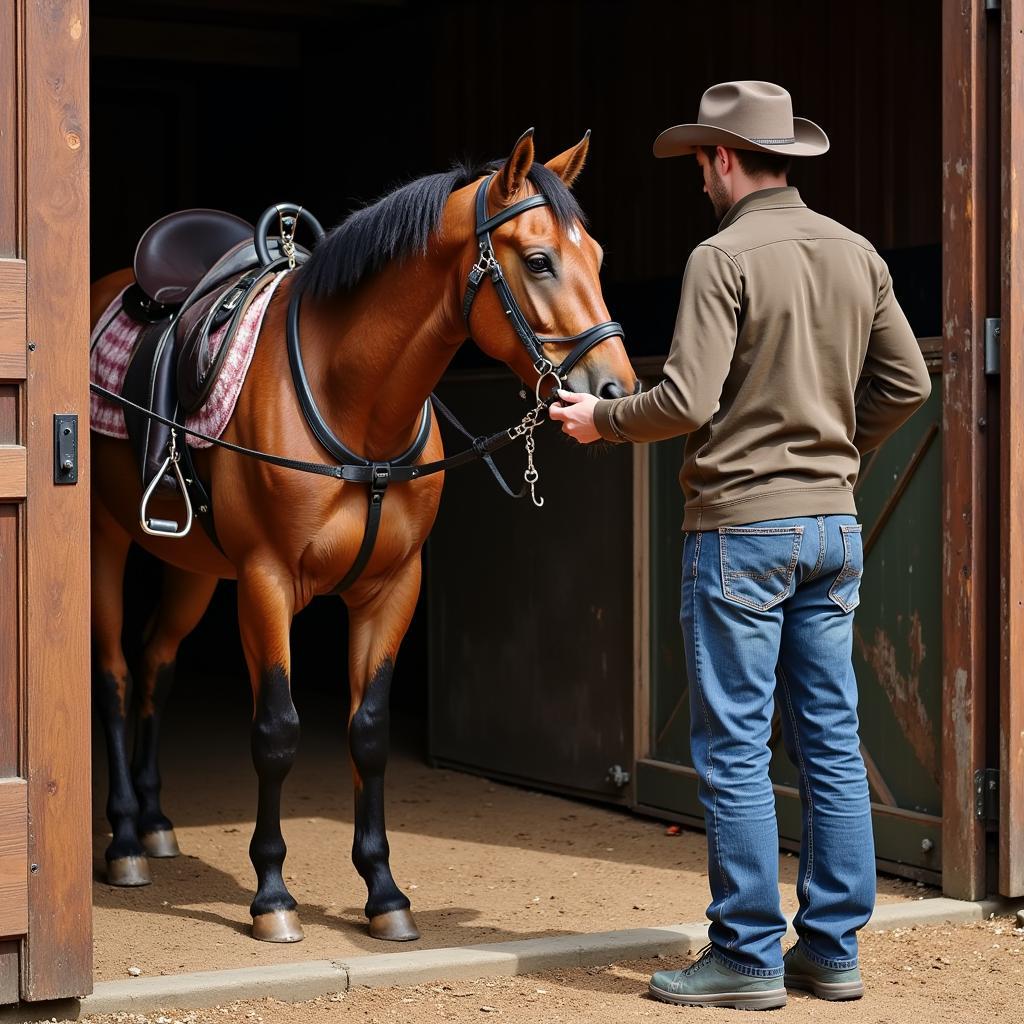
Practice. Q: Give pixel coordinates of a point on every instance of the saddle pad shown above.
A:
(111, 345)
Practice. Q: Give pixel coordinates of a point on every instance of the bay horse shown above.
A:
(381, 318)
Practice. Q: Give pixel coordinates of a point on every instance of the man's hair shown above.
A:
(754, 163)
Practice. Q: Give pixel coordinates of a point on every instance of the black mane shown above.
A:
(401, 223)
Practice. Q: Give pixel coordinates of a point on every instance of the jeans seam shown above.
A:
(707, 726)
(822, 550)
(807, 784)
(750, 972)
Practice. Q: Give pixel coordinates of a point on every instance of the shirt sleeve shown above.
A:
(894, 381)
(698, 362)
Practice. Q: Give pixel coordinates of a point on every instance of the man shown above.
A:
(790, 359)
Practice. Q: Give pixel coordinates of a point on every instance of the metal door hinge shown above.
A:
(993, 326)
(986, 795)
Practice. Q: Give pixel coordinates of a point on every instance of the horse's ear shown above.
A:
(515, 169)
(568, 165)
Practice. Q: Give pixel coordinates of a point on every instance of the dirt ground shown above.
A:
(972, 974)
(481, 862)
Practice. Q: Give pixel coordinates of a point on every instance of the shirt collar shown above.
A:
(763, 199)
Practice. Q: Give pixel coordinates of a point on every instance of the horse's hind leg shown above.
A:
(265, 608)
(184, 598)
(376, 630)
(126, 859)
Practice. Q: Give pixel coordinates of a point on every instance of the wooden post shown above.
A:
(963, 443)
(57, 952)
(1011, 436)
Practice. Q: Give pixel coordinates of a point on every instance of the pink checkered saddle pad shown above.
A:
(113, 341)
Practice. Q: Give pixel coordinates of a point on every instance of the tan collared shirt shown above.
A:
(790, 359)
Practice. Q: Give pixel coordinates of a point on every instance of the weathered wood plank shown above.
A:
(963, 445)
(10, 678)
(12, 472)
(57, 953)
(1011, 434)
(11, 219)
(12, 319)
(13, 858)
(10, 149)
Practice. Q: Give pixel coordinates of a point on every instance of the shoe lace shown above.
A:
(702, 955)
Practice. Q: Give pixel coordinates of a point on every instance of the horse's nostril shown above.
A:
(611, 389)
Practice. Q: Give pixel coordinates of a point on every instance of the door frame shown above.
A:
(44, 247)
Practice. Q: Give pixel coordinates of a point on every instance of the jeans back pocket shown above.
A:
(845, 591)
(758, 563)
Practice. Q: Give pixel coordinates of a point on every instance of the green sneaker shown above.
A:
(825, 982)
(709, 982)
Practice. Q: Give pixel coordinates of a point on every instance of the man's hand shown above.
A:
(577, 415)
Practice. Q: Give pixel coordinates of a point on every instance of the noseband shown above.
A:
(487, 265)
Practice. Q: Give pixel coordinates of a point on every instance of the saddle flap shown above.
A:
(149, 382)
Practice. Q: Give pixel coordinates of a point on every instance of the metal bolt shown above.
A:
(34, 868)
(927, 845)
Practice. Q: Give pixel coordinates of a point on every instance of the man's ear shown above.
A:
(509, 180)
(568, 165)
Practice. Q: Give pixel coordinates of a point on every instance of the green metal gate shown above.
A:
(897, 651)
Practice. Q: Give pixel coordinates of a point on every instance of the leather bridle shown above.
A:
(487, 265)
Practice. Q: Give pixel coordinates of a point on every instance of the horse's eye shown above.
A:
(539, 263)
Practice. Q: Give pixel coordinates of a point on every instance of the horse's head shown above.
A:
(551, 268)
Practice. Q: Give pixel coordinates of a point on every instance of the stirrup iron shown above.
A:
(167, 527)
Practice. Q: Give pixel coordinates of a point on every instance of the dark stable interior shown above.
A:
(238, 104)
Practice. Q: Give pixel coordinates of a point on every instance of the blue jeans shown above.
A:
(767, 617)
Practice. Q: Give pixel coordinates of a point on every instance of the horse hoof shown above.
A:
(277, 926)
(394, 926)
(128, 871)
(161, 844)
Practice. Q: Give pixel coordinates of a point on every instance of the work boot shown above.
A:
(709, 982)
(825, 982)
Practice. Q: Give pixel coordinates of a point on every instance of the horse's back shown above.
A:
(105, 290)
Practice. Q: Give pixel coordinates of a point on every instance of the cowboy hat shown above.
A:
(745, 115)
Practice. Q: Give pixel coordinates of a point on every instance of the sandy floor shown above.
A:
(972, 974)
(482, 862)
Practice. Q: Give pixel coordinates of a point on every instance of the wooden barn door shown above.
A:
(1011, 435)
(45, 878)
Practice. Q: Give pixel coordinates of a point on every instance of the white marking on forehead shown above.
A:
(574, 234)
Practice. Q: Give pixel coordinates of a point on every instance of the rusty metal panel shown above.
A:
(897, 652)
(531, 609)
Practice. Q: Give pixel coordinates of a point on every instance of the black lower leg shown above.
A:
(145, 766)
(275, 739)
(110, 698)
(368, 744)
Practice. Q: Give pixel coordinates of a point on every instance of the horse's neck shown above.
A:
(377, 355)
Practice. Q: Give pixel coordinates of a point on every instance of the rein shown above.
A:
(354, 468)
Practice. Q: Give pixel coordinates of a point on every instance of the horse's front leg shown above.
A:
(376, 630)
(265, 609)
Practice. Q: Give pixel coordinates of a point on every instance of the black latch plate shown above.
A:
(65, 448)
(986, 796)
